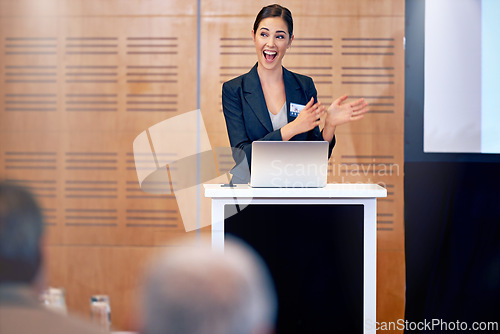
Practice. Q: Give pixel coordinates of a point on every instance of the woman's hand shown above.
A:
(308, 119)
(341, 112)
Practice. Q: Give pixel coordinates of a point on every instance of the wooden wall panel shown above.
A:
(78, 83)
(80, 79)
(94, 84)
(302, 8)
(99, 270)
(127, 7)
(390, 283)
(72, 8)
(29, 8)
(113, 270)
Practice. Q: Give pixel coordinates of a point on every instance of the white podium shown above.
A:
(332, 194)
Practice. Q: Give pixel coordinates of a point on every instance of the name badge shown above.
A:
(295, 109)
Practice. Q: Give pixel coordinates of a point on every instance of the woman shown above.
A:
(272, 103)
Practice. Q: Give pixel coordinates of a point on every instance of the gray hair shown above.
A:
(21, 228)
(197, 290)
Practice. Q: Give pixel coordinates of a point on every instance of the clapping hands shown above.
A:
(338, 113)
(341, 112)
(308, 118)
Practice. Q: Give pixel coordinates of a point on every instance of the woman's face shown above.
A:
(271, 42)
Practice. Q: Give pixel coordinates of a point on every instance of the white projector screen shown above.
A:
(462, 72)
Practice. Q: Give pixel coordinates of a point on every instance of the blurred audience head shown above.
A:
(21, 228)
(196, 290)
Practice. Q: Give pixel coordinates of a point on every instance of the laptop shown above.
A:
(289, 164)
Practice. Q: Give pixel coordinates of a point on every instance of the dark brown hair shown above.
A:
(274, 11)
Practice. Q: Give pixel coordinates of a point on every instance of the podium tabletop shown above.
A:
(331, 190)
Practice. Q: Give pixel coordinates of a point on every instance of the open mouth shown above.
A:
(270, 55)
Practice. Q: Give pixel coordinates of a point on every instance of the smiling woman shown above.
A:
(257, 104)
(274, 36)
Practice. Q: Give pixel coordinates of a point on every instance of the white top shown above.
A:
(331, 190)
(280, 119)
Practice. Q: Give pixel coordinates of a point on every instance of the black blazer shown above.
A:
(247, 116)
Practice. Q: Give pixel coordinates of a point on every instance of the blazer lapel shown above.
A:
(293, 92)
(254, 96)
